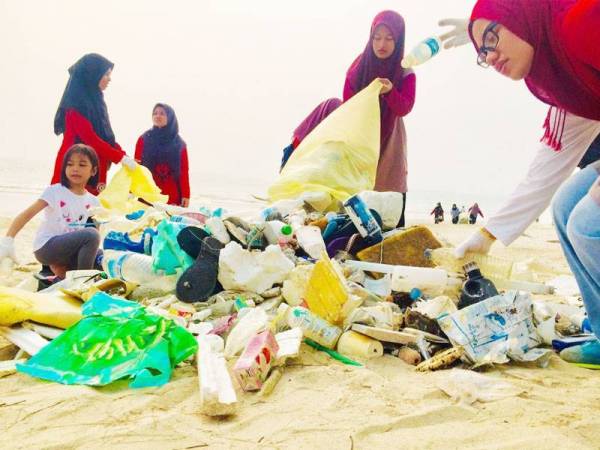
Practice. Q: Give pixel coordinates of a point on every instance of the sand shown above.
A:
(319, 403)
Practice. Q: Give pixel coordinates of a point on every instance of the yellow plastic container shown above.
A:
(326, 292)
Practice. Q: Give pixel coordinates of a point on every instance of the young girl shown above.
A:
(82, 117)
(164, 153)
(64, 241)
(381, 59)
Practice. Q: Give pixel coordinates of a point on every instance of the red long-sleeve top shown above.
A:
(163, 177)
(79, 130)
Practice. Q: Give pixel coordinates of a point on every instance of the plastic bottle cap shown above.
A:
(415, 293)
(286, 230)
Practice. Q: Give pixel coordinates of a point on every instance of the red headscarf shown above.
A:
(367, 66)
(557, 77)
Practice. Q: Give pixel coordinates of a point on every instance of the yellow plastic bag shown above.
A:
(17, 305)
(139, 182)
(340, 155)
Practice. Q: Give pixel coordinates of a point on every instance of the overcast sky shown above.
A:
(242, 74)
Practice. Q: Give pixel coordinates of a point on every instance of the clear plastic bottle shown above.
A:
(312, 326)
(422, 52)
(129, 266)
(491, 266)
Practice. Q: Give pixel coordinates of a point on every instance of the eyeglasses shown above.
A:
(490, 43)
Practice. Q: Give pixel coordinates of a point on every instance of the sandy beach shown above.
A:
(318, 403)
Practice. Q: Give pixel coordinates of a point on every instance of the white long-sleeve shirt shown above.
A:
(548, 170)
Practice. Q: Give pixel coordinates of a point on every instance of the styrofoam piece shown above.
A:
(289, 345)
(25, 339)
(217, 395)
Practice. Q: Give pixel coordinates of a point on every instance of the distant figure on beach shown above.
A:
(553, 46)
(65, 240)
(82, 117)
(437, 213)
(381, 59)
(164, 153)
(474, 211)
(455, 213)
(310, 123)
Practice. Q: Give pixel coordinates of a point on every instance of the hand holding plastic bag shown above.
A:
(115, 339)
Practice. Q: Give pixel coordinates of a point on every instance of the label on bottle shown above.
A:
(363, 219)
(433, 45)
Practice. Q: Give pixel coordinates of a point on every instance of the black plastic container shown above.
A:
(476, 288)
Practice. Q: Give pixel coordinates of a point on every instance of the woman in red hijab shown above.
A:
(381, 59)
(554, 46)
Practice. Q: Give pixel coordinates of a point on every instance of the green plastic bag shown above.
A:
(115, 339)
(340, 155)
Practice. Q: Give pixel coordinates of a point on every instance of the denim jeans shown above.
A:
(577, 221)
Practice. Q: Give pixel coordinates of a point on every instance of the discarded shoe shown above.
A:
(199, 281)
(588, 353)
(190, 240)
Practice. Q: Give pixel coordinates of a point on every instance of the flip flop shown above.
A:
(199, 281)
(190, 240)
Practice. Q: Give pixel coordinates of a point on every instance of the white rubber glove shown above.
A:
(479, 242)
(7, 248)
(456, 37)
(129, 162)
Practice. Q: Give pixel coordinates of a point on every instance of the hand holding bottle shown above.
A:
(456, 37)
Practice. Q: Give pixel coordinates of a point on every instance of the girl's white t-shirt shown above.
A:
(66, 212)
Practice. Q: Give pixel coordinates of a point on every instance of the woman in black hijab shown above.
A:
(82, 117)
(164, 153)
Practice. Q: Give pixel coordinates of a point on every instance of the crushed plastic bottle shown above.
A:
(422, 52)
(312, 326)
(492, 266)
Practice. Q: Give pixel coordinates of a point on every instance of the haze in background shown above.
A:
(241, 75)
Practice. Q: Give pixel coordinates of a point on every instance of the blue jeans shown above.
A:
(577, 221)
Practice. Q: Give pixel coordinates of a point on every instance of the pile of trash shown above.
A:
(240, 296)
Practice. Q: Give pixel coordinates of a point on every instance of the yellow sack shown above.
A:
(139, 182)
(340, 155)
(18, 305)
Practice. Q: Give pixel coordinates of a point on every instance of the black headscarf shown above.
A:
(84, 95)
(164, 145)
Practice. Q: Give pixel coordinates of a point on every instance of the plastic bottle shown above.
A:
(312, 326)
(129, 266)
(476, 288)
(363, 219)
(422, 52)
(492, 266)
(278, 232)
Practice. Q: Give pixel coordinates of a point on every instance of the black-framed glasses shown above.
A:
(489, 41)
